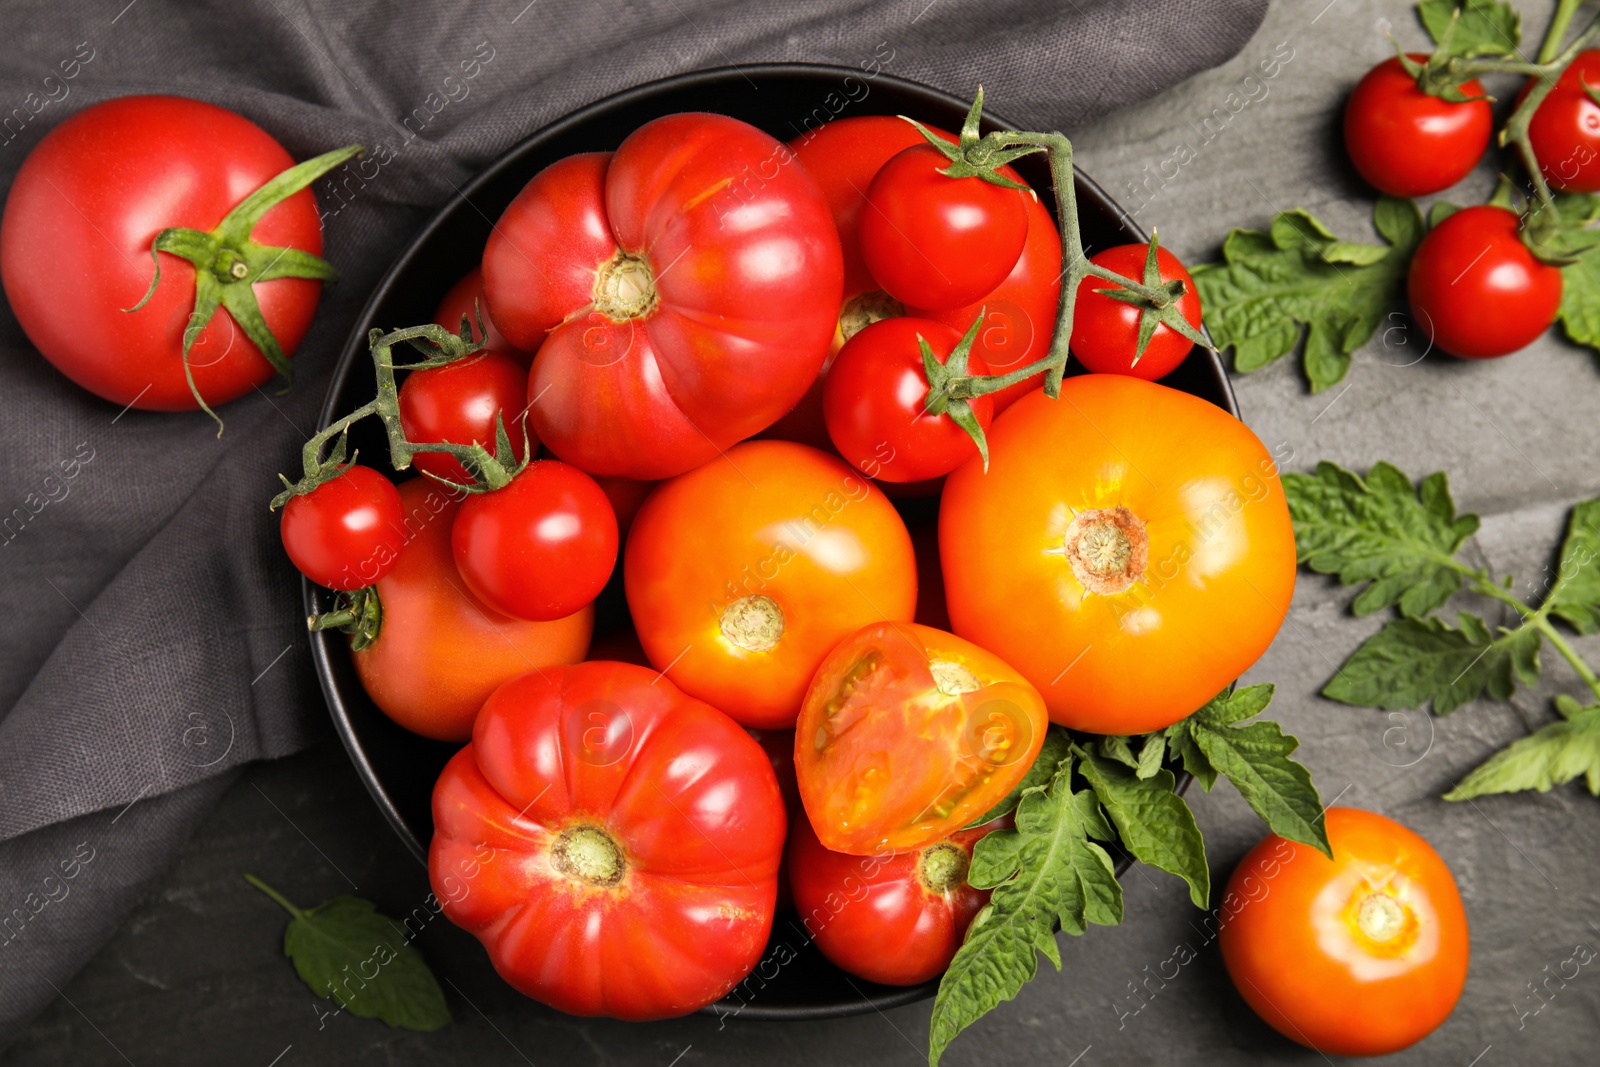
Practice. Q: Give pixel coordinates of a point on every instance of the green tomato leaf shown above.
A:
(1487, 27)
(1152, 756)
(1579, 313)
(1575, 596)
(1152, 821)
(1411, 662)
(1550, 756)
(1180, 742)
(1057, 743)
(1380, 530)
(1298, 278)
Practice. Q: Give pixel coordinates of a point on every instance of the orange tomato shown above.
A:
(1360, 955)
(908, 734)
(440, 651)
(742, 574)
(1129, 551)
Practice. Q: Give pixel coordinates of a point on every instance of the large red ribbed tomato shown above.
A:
(612, 842)
(681, 293)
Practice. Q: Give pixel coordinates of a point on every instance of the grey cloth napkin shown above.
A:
(150, 634)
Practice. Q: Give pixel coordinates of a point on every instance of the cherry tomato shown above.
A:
(1105, 332)
(742, 574)
(1476, 290)
(908, 734)
(681, 293)
(540, 548)
(873, 403)
(1407, 143)
(346, 533)
(1361, 955)
(466, 298)
(457, 404)
(612, 842)
(938, 242)
(441, 651)
(75, 249)
(1565, 128)
(1129, 550)
(897, 919)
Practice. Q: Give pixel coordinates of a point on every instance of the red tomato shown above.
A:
(873, 403)
(1105, 332)
(612, 842)
(1361, 955)
(895, 919)
(1565, 129)
(542, 547)
(938, 242)
(346, 533)
(89, 200)
(743, 574)
(440, 651)
(466, 298)
(1476, 290)
(684, 291)
(1407, 143)
(1129, 551)
(457, 404)
(908, 734)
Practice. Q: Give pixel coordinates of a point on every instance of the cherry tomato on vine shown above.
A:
(1407, 143)
(346, 533)
(1105, 332)
(1361, 955)
(873, 403)
(938, 242)
(908, 734)
(897, 920)
(1475, 288)
(540, 548)
(1565, 128)
(466, 298)
(457, 404)
(440, 651)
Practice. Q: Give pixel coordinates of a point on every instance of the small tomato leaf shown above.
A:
(1152, 821)
(1552, 755)
(1575, 596)
(1412, 662)
(1485, 28)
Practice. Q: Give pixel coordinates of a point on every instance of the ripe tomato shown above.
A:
(1361, 955)
(466, 298)
(873, 403)
(440, 651)
(93, 194)
(457, 404)
(684, 291)
(1129, 551)
(540, 548)
(1476, 290)
(742, 574)
(1105, 332)
(908, 734)
(1407, 143)
(346, 533)
(1565, 129)
(897, 919)
(612, 842)
(938, 242)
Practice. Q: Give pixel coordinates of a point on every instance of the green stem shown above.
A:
(282, 901)
(1538, 618)
(1557, 30)
(1568, 653)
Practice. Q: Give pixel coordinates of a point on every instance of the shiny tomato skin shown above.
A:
(542, 547)
(682, 293)
(908, 734)
(612, 842)
(441, 651)
(1565, 128)
(1105, 332)
(346, 533)
(466, 298)
(1476, 290)
(458, 403)
(93, 194)
(937, 242)
(742, 574)
(895, 920)
(1208, 593)
(1296, 936)
(1407, 143)
(873, 399)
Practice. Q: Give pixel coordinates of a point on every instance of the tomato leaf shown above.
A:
(1575, 596)
(1411, 662)
(1548, 757)
(1152, 821)
(1057, 743)
(1298, 278)
(1380, 530)
(1045, 872)
(1151, 756)
(1486, 27)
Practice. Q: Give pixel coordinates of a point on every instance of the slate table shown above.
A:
(196, 974)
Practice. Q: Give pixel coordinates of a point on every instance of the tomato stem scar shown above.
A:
(754, 623)
(1107, 548)
(625, 288)
(1380, 917)
(588, 854)
(942, 867)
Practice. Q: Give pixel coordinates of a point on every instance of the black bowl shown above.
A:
(398, 767)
